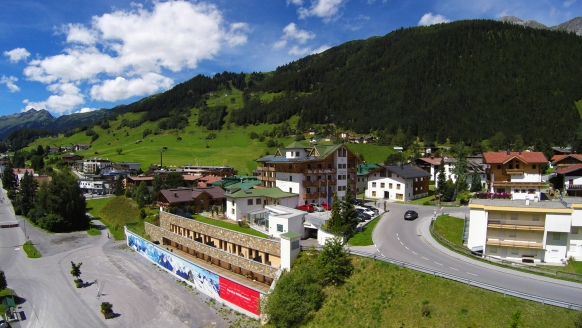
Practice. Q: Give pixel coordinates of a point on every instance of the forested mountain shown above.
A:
(466, 80)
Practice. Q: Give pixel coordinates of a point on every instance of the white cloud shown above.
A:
(280, 44)
(568, 3)
(122, 53)
(430, 19)
(326, 9)
(299, 51)
(292, 33)
(16, 55)
(33, 104)
(320, 49)
(9, 81)
(77, 33)
(87, 110)
(67, 97)
(295, 2)
(121, 88)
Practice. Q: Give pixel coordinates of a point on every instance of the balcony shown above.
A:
(574, 187)
(318, 171)
(314, 195)
(263, 178)
(318, 183)
(517, 225)
(265, 169)
(514, 243)
(352, 170)
(513, 171)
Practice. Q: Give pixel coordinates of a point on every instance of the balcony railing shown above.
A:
(266, 169)
(514, 243)
(352, 170)
(517, 225)
(318, 171)
(318, 183)
(513, 171)
(574, 187)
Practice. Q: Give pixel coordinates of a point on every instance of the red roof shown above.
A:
(569, 169)
(557, 158)
(501, 157)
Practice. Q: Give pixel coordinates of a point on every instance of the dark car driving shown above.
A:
(410, 215)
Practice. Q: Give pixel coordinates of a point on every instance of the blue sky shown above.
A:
(68, 56)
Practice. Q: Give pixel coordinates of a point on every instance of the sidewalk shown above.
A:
(424, 232)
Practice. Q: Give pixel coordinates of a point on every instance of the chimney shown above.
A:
(508, 152)
(176, 194)
(527, 200)
(520, 151)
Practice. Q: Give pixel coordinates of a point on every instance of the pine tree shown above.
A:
(334, 224)
(348, 212)
(157, 183)
(28, 187)
(118, 186)
(3, 283)
(441, 183)
(142, 195)
(9, 179)
(476, 181)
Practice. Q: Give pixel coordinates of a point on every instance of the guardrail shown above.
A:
(510, 264)
(435, 273)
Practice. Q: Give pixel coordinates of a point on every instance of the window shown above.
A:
(517, 165)
(531, 191)
(574, 230)
(258, 201)
(415, 179)
(290, 189)
(232, 211)
(290, 166)
(382, 185)
(573, 248)
(498, 166)
(535, 217)
(514, 251)
(373, 184)
(279, 228)
(373, 194)
(533, 166)
(512, 234)
(555, 236)
(297, 154)
(329, 166)
(249, 202)
(290, 178)
(390, 186)
(398, 186)
(492, 249)
(514, 216)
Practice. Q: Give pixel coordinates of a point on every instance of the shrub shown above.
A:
(106, 307)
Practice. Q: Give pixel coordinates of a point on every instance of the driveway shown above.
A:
(142, 294)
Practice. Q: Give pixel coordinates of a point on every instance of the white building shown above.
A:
(92, 165)
(432, 165)
(526, 230)
(241, 202)
(397, 182)
(94, 187)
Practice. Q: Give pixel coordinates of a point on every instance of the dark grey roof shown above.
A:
(407, 171)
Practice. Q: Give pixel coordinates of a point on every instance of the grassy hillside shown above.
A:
(232, 145)
(384, 295)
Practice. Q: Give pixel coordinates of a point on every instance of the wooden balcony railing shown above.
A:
(266, 169)
(513, 171)
(319, 171)
(319, 183)
(514, 243)
(517, 225)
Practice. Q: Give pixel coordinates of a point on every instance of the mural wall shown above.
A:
(209, 282)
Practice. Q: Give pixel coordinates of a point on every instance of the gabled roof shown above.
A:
(181, 195)
(558, 158)
(317, 153)
(437, 160)
(261, 192)
(19, 170)
(569, 169)
(501, 157)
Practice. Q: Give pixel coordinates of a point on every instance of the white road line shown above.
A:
(414, 253)
(398, 237)
(425, 258)
(471, 274)
(382, 255)
(401, 243)
(397, 234)
(437, 263)
(453, 269)
(407, 247)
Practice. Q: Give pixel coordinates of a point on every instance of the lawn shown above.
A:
(30, 250)
(94, 206)
(379, 294)
(364, 237)
(228, 225)
(450, 228)
(421, 201)
(115, 213)
(6, 293)
(93, 231)
(573, 266)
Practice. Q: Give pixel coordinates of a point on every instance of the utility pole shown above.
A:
(161, 151)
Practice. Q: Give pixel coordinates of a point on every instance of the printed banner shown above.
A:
(203, 279)
(240, 295)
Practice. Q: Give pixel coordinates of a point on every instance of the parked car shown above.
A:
(3, 323)
(410, 215)
(318, 208)
(359, 202)
(307, 207)
(372, 208)
(326, 206)
(363, 216)
(366, 210)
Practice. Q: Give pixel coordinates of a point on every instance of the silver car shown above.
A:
(318, 208)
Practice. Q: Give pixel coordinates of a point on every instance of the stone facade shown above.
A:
(248, 241)
(157, 233)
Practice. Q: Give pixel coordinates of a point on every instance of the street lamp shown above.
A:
(161, 151)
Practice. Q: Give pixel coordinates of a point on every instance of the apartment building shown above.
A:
(241, 202)
(432, 165)
(526, 230)
(93, 165)
(315, 173)
(517, 173)
(398, 182)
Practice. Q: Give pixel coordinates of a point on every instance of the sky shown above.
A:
(69, 56)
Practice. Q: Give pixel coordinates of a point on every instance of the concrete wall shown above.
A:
(294, 223)
(323, 236)
(294, 185)
(556, 247)
(558, 222)
(575, 243)
(477, 229)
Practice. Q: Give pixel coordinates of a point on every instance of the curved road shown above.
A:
(410, 241)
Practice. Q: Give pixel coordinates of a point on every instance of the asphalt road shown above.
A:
(142, 294)
(410, 241)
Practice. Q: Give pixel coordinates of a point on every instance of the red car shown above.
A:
(326, 206)
(307, 207)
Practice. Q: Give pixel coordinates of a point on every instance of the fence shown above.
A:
(510, 264)
(435, 273)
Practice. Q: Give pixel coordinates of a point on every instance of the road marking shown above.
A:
(437, 263)
(382, 255)
(397, 234)
(453, 269)
(401, 243)
(425, 258)
(414, 253)
(471, 274)
(407, 247)
(397, 237)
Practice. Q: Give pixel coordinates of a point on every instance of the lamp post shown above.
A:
(161, 151)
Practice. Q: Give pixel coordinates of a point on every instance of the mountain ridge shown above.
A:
(573, 25)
